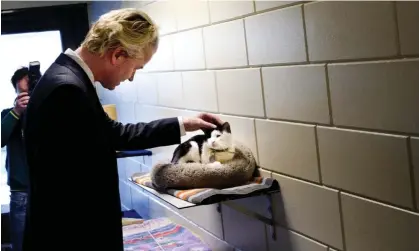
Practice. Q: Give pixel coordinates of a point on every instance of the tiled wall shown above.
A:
(326, 94)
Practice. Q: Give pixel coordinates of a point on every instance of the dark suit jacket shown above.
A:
(74, 201)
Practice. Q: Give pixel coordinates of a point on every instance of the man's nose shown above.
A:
(132, 77)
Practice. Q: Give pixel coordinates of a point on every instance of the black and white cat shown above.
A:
(205, 148)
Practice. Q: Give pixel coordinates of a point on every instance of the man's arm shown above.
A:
(157, 133)
(9, 120)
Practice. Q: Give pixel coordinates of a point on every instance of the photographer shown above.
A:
(17, 170)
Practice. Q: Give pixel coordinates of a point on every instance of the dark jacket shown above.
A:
(74, 201)
(11, 137)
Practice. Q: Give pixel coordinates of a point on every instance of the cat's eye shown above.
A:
(218, 136)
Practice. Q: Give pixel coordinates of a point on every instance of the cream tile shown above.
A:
(126, 113)
(140, 201)
(414, 143)
(212, 221)
(296, 93)
(309, 209)
(146, 88)
(373, 226)
(380, 95)
(125, 194)
(243, 131)
(225, 45)
(265, 173)
(121, 169)
(162, 13)
(288, 240)
(264, 5)
(145, 113)
(408, 18)
(371, 164)
(288, 148)
(350, 30)
(223, 10)
(235, 222)
(199, 90)
(170, 89)
(126, 92)
(188, 49)
(131, 167)
(163, 59)
(191, 13)
(276, 37)
(240, 92)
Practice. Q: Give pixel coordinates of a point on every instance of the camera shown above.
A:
(34, 75)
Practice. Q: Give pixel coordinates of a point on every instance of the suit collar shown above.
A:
(72, 54)
(71, 64)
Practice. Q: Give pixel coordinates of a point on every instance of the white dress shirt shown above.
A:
(72, 54)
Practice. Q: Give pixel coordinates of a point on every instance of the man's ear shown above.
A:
(118, 55)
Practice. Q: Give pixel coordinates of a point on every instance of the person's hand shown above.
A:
(202, 121)
(21, 103)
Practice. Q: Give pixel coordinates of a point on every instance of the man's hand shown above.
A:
(21, 103)
(202, 121)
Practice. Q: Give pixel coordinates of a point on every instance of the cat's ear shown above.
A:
(226, 127)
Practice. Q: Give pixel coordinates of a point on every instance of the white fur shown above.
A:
(192, 155)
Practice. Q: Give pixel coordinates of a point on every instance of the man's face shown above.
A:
(22, 85)
(124, 68)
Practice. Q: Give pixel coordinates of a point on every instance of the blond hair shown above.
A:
(131, 29)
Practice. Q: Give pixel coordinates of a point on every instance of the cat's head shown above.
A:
(219, 138)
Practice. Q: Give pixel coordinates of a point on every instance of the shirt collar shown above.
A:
(72, 54)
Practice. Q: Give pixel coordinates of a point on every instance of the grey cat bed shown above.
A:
(233, 173)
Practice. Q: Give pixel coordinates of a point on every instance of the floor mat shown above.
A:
(161, 234)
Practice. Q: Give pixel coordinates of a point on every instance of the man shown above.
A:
(17, 170)
(71, 142)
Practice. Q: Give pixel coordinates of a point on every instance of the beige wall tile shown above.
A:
(235, 222)
(188, 50)
(212, 221)
(240, 92)
(265, 173)
(348, 30)
(408, 19)
(170, 89)
(381, 95)
(371, 164)
(191, 13)
(126, 92)
(225, 45)
(139, 201)
(373, 226)
(288, 148)
(223, 10)
(296, 93)
(309, 209)
(162, 13)
(163, 59)
(264, 5)
(146, 88)
(126, 113)
(243, 131)
(199, 90)
(125, 192)
(414, 144)
(291, 241)
(276, 37)
(146, 113)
